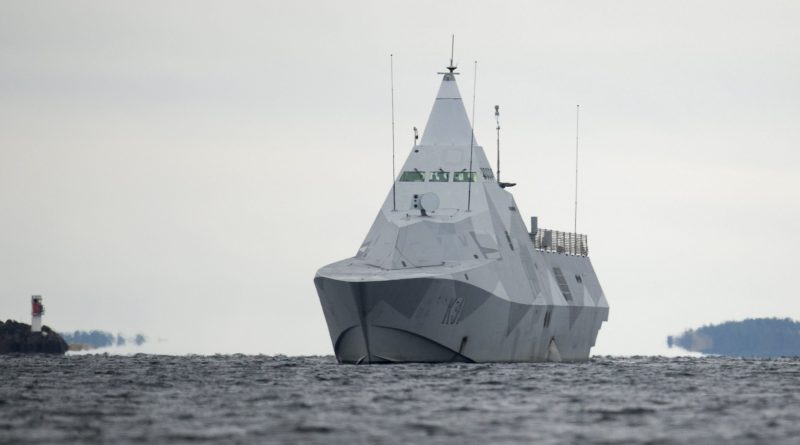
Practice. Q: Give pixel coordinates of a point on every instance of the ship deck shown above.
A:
(356, 269)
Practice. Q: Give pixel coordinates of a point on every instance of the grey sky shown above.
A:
(183, 168)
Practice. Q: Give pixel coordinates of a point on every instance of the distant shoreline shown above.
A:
(752, 337)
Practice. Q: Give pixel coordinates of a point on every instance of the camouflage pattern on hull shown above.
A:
(447, 321)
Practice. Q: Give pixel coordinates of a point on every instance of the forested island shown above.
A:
(83, 340)
(753, 337)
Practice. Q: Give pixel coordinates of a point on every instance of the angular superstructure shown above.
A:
(449, 272)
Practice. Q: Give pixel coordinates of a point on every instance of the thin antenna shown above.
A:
(452, 47)
(391, 76)
(577, 130)
(472, 139)
(497, 118)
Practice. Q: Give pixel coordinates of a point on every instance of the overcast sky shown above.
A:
(182, 169)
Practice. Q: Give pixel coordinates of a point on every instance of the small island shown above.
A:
(16, 337)
(88, 340)
(753, 337)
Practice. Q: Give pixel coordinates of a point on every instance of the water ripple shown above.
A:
(245, 399)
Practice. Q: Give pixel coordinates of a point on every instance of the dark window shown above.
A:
(413, 176)
(464, 176)
(440, 176)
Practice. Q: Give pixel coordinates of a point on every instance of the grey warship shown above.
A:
(448, 271)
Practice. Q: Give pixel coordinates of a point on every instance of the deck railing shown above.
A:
(560, 242)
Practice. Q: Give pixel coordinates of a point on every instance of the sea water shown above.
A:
(265, 399)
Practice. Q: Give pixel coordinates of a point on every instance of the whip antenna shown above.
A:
(497, 118)
(452, 47)
(577, 129)
(472, 139)
(391, 81)
(391, 77)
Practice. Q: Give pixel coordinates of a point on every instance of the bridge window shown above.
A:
(440, 176)
(464, 176)
(413, 176)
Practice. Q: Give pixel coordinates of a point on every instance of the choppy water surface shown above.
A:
(148, 398)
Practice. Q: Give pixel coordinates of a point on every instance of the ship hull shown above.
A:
(439, 319)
